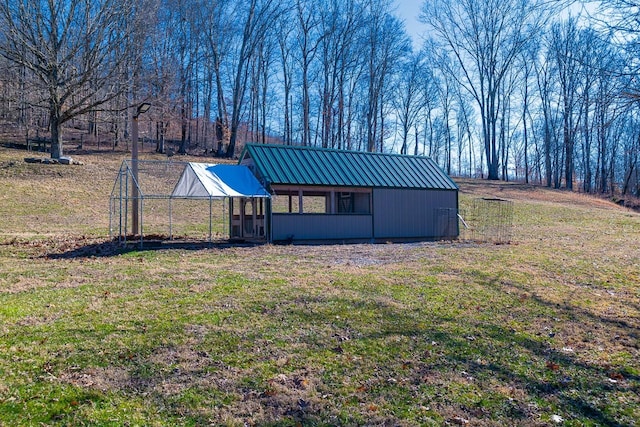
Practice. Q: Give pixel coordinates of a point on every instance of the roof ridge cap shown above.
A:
(335, 150)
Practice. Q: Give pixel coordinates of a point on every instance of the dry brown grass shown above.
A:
(520, 191)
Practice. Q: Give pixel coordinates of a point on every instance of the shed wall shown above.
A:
(414, 213)
(320, 227)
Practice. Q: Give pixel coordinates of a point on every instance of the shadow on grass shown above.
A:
(559, 381)
(576, 385)
(114, 247)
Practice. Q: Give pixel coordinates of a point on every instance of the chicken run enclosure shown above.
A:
(161, 215)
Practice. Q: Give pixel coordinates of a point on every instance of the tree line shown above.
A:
(504, 89)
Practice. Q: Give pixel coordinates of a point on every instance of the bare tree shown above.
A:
(430, 93)
(527, 60)
(309, 38)
(387, 42)
(262, 71)
(623, 24)
(622, 29)
(446, 97)
(485, 37)
(74, 48)
(161, 72)
(256, 18)
(464, 116)
(546, 89)
(341, 24)
(567, 54)
(217, 23)
(410, 98)
(284, 35)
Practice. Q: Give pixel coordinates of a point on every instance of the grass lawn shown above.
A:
(542, 331)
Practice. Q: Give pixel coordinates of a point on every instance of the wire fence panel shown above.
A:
(157, 177)
(487, 220)
(162, 216)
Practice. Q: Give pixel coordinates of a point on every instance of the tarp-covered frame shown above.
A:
(232, 182)
(235, 181)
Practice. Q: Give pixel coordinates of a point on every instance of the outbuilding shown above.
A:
(325, 195)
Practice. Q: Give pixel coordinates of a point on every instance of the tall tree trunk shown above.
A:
(306, 125)
(587, 147)
(569, 150)
(547, 149)
(55, 126)
(524, 136)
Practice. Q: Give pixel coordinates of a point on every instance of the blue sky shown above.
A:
(408, 11)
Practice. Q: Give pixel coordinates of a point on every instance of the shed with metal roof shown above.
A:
(336, 195)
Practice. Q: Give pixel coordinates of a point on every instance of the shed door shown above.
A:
(247, 218)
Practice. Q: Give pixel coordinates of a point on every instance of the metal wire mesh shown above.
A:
(487, 220)
(158, 178)
(161, 215)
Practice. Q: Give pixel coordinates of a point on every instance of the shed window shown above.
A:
(321, 202)
(345, 202)
(352, 202)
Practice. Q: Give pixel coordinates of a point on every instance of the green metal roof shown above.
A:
(286, 164)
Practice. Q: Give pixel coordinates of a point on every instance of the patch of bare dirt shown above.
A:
(293, 395)
(63, 246)
(39, 320)
(26, 284)
(177, 369)
(111, 378)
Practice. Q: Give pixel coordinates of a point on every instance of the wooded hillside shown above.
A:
(538, 91)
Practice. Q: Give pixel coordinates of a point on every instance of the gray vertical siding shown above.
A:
(414, 213)
(397, 214)
(320, 227)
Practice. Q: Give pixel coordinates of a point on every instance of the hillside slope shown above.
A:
(73, 200)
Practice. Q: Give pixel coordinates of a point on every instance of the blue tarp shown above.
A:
(207, 180)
